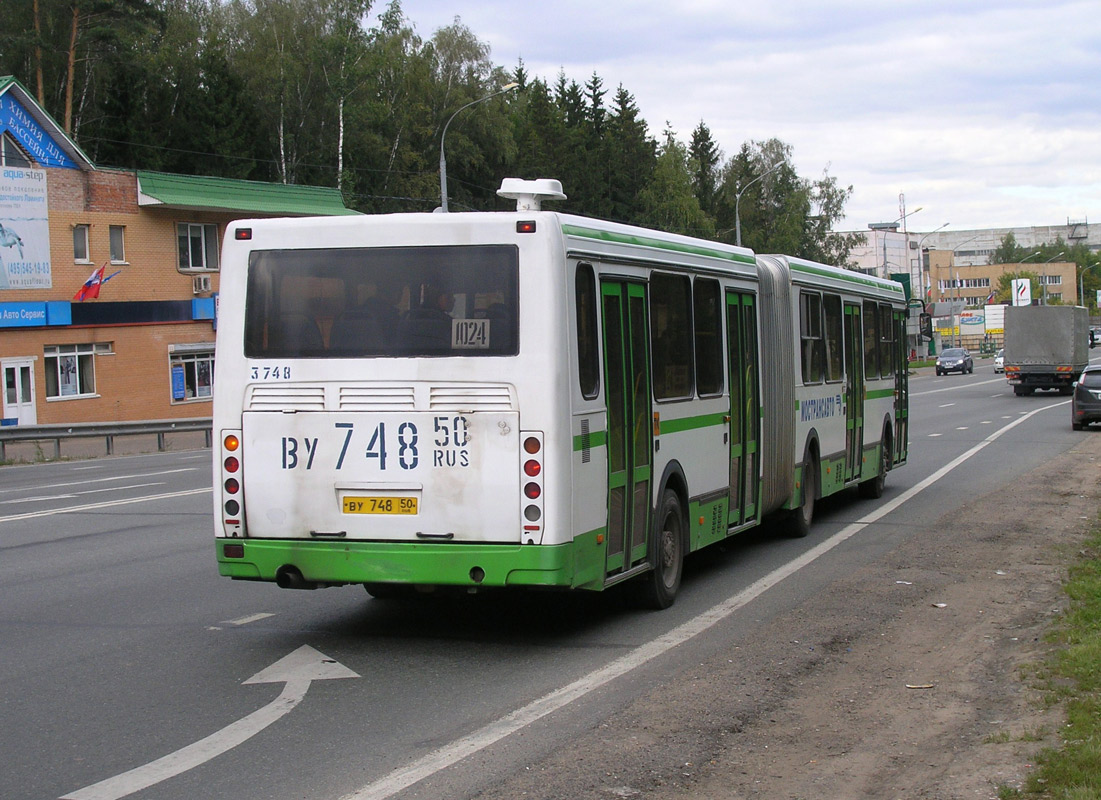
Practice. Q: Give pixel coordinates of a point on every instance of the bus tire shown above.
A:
(872, 489)
(658, 588)
(800, 520)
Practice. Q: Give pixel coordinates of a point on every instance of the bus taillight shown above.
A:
(232, 477)
(532, 482)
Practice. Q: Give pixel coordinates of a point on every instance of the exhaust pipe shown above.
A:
(290, 577)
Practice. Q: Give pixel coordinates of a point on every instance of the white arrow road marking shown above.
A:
(297, 670)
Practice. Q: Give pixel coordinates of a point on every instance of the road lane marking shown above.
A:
(438, 760)
(104, 480)
(958, 386)
(248, 619)
(297, 670)
(105, 504)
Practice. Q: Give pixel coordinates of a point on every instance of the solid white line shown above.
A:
(105, 504)
(195, 754)
(105, 480)
(403, 778)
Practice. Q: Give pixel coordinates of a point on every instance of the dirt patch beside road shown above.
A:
(908, 679)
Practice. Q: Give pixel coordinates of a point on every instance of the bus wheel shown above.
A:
(872, 489)
(801, 518)
(658, 588)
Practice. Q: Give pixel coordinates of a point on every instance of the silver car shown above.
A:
(999, 361)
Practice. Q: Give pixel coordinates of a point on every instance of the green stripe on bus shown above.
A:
(879, 394)
(645, 241)
(691, 423)
(846, 275)
(596, 439)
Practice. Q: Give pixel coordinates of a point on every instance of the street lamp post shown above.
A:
(1043, 275)
(1081, 288)
(916, 291)
(739, 191)
(443, 161)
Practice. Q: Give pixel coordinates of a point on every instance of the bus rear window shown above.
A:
(383, 302)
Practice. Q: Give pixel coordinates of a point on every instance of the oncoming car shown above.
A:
(955, 359)
(999, 361)
(1085, 404)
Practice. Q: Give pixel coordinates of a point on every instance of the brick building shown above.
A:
(139, 345)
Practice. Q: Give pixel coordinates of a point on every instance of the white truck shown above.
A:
(1046, 347)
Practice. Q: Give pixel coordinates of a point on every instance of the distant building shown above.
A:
(109, 278)
(974, 284)
(888, 250)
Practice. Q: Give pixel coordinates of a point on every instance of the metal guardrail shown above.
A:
(107, 430)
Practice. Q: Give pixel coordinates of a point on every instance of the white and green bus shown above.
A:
(533, 399)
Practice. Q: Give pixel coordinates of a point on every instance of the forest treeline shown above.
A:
(337, 93)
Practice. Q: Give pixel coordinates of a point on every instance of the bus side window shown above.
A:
(834, 336)
(588, 356)
(871, 340)
(810, 331)
(671, 335)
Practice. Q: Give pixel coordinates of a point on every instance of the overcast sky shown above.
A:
(983, 114)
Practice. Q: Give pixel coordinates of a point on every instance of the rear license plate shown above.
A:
(380, 505)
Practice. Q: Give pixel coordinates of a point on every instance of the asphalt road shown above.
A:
(126, 659)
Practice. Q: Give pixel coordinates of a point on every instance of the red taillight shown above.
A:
(532, 468)
(232, 464)
(532, 491)
(232, 486)
(242, 234)
(531, 445)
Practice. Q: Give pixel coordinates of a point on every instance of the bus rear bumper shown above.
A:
(310, 564)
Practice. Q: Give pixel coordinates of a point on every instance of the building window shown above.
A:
(71, 369)
(81, 253)
(118, 244)
(11, 154)
(192, 372)
(198, 246)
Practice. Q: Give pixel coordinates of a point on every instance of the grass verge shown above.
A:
(1073, 772)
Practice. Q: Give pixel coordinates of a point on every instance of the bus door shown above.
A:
(854, 391)
(745, 407)
(630, 429)
(902, 390)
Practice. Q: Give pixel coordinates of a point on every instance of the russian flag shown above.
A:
(90, 289)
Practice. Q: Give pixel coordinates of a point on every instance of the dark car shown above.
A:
(1085, 404)
(955, 359)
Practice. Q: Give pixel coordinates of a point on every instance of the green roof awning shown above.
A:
(227, 194)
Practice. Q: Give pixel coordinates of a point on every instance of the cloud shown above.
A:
(985, 115)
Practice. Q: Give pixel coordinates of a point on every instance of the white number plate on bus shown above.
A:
(380, 505)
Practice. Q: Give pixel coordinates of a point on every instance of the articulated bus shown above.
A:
(533, 399)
